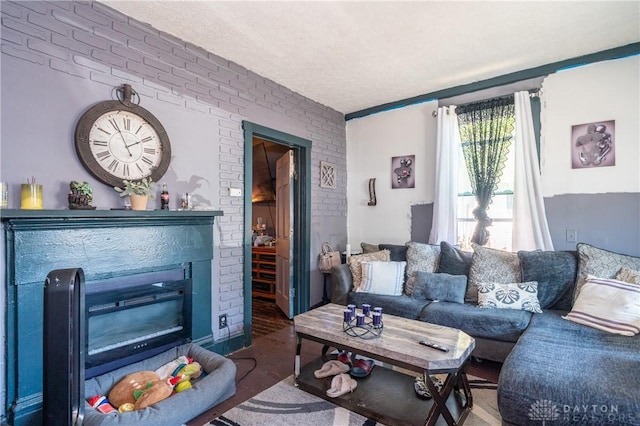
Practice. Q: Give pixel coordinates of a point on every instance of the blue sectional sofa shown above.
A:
(554, 370)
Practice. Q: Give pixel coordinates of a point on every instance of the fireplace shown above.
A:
(135, 317)
(135, 264)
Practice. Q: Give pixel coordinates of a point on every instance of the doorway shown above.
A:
(258, 142)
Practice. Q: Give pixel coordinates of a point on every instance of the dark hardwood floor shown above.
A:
(271, 356)
(267, 318)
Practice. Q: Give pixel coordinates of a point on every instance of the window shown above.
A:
(501, 207)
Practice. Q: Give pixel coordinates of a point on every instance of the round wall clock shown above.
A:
(119, 140)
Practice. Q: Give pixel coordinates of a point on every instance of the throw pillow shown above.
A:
(369, 248)
(453, 260)
(383, 278)
(555, 272)
(491, 266)
(440, 287)
(628, 276)
(600, 263)
(420, 257)
(355, 264)
(608, 305)
(523, 296)
(398, 253)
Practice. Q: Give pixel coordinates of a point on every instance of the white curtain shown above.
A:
(530, 227)
(445, 224)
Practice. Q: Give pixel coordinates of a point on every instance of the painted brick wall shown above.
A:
(92, 42)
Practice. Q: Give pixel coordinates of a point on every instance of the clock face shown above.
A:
(125, 145)
(115, 142)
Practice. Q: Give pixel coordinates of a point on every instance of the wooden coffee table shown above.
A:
(387, 395)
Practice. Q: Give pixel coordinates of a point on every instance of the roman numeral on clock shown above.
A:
(99, 143)
(147, 139)
(113, 166)
(151, 151)
(127, 124)
(114, 124)
(125, 169)
(103, 155)
(147, 160)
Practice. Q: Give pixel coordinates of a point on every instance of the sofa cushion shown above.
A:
(608, 305)
(600, 263)
(398, 253)
(555, 273)
(355, 264)
(382, 277)
(420, 257)
(453, 260)
(402, 306)
(570, 367)
(440, 287)
(523, 296)
(491, 265)
(628, 275)
(499, 324)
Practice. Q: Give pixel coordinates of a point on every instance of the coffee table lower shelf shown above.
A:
(386, 396)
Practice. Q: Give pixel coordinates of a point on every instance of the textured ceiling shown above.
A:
(352, 55)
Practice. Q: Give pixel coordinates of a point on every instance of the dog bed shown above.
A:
(217, 386)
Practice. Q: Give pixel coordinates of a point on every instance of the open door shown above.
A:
(284, 233)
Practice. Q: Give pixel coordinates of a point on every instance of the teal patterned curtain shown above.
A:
(485, 131)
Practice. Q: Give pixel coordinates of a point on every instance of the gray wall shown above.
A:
(607, 221)
(59, 58)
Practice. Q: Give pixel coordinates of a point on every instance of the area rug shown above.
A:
(284, 404)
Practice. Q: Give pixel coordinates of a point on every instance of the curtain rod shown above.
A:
(533, 93)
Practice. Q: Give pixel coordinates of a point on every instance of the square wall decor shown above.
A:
(592, 144)
(327, 175)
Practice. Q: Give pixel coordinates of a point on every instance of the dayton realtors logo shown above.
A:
(546, 411)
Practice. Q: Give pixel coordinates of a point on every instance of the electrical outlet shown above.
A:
(571, 236)
(222, 321)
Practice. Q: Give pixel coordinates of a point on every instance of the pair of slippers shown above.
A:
(340, 385)
(421, 387)
(358, 367)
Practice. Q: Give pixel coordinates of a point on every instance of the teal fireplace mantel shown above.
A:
(106, 244)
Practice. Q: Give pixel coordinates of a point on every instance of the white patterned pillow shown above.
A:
(522, 296)
(609, 305)
(628, 276)
(420, 257)
(493, 266)
(383, 278)
(355, 263)
(600, 263)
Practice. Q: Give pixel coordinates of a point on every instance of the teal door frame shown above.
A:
(301, 212)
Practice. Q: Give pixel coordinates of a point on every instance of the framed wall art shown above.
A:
(593, 144)
(403, 172)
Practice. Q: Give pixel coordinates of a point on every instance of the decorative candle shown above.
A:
(31, 196)
(377, 319)
(366, 309)
(360, 319)
(347, 315)
(352, 308)
(378, 309)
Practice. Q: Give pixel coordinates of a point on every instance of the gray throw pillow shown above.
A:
(398, 253)
(555, 273)
(453, 260)
(440, 287)
(369, 248)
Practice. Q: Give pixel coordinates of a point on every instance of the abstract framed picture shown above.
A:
(403, 172)
(593, 144)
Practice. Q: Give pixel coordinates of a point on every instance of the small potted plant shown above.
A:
(139, 192)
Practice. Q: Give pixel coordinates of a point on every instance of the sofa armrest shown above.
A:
(341, 284)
